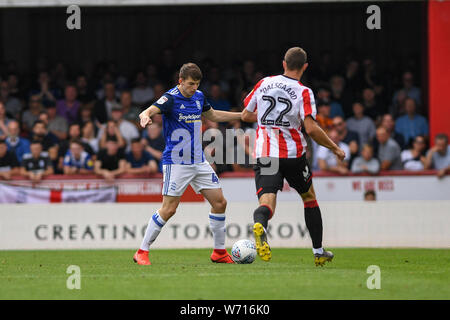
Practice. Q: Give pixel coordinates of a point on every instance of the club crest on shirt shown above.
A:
(306, 173)
(162, 100)
(199, 106)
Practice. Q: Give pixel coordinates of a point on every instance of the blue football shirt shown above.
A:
(182, 124)
(85, 161)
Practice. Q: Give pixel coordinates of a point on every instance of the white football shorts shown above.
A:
(177, 177)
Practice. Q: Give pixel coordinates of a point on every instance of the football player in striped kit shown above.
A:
(282, 105)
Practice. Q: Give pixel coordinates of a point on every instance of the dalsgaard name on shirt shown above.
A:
(279, 85)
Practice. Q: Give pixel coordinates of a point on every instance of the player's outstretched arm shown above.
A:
(145, 117)
(221, 116)
(319, 136)
(248, 116)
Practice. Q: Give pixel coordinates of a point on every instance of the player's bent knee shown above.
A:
(310, 195)
(306, 197)
(166, 213)
(220, 205)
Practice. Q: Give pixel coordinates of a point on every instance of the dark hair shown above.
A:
(322, 103)
(109, 82)
(73, 124)
(441, 136)
(39, 122)
(70, 84)
(36, 142)
(370, 193)
(190, 70)
(295, 58)
(50, 104)
(136, 140)
(77, 141)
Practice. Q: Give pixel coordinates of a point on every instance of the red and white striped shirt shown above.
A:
(282, 104)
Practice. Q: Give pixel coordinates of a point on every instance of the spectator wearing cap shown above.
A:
(15, 142)
(37, 163)
(32, 114)
(413, 159)
(110, 161)
(55, 123)
(4, 120)
(139, 160)
(438, 157)
(68, 107)
(388, 151)
(9, 165)
(361, 124)
(411, 124)
(366, 163)
(76, 160)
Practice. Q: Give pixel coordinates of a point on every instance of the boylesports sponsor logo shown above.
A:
(189, 117)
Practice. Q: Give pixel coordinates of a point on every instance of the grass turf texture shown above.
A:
(189, 274)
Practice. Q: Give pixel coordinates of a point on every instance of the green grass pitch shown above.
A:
(189, 274)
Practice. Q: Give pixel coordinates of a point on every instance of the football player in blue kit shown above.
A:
(183, 160)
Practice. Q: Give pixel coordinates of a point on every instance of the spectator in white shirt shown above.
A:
(366, 162)
(414, 159)
(327, 160)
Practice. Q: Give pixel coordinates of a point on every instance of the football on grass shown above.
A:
(243, 251)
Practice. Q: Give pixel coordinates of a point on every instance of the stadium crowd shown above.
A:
(62, 120)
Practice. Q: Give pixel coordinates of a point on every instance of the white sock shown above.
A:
(217, 226)
(153, 229)
(319, 251)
